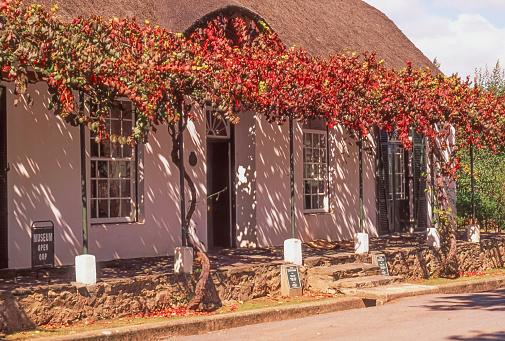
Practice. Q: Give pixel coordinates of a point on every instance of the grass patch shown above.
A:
(463, 277)
(53, 330)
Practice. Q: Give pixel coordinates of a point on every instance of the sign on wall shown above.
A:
(381, 262)
(42, 244)
(291, 284)
(293, 277)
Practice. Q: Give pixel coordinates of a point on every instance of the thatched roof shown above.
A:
(319, 26)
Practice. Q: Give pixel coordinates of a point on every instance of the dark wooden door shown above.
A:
(398, 191)
(393, 182)
(4, 255)
(218, 192)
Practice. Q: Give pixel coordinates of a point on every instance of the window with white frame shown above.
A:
(315, 168)
(113, 170)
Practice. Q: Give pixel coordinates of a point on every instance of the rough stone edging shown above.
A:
(205, 324)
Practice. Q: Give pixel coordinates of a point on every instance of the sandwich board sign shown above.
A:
(42, 244)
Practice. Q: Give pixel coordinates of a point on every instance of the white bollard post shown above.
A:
(85, 269)
(473, 233)
(293, 251)
(361, 242)
(433, 238)
(183, 260)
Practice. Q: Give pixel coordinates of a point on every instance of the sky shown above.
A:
(462, 34)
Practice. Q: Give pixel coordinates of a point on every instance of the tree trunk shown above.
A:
(192, 237)
(446, 219)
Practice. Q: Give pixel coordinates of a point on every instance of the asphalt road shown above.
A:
(479, 316)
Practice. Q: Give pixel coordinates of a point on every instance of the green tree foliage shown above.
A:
(493, 80)
(489, 167)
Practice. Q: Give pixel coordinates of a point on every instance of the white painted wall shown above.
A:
(161, 232)
(342, 220)
(44, 184)
(273, 187)
(44, 180)
(245, 182)
(272, 183)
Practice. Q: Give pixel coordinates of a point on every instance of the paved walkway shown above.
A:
(127, 268)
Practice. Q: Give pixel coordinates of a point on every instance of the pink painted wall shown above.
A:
(44, 184)
(272, 183)
(342, 220)
(44, 180)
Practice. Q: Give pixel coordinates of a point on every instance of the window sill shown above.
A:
(117, 223)
(316, 213)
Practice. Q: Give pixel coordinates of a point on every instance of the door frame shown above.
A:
(388, 210)
(227, 137)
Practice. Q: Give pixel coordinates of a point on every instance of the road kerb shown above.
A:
(206, 324)
(477, 285)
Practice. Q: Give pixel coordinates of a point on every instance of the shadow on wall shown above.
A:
(273, 183)
(273, 186)
(342, 221)
(245, 187)
(44, 181)
(160, 232)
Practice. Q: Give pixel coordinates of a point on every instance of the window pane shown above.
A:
(103, 186)
(113, 188)
(93, 169)
(322, 140)
(308, 155)
(321, 187)
(93, 188)
(127, 151)
(315, 140)
(126, 208)
(114, 169)
(314, 201)
(308, 205)
(122, 169)
(115, 150)
(115, 112)
(127, 109)
(105, 149)
(103, 208)
(115, 127)
(320, 201)
(127, 127)
(310, 143)
(322, 155)
(93, 209)
(114, 208)
(103, 169)
(128, 170)
(307, 187)
(94, 147)
(125, 188)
